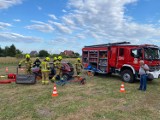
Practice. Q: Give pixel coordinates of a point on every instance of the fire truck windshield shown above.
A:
(151, 53)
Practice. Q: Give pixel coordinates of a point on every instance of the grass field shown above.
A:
(98, 99)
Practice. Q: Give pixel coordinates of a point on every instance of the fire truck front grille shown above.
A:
(154, 68)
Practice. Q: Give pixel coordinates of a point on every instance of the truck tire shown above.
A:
(127, 76)
(150, 77)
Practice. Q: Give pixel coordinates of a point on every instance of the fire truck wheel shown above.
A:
(149, 79)
(127, 76)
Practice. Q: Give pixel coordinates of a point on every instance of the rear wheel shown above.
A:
(149, 79)
(127, 76)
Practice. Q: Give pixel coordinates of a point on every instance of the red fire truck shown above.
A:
(122, 58)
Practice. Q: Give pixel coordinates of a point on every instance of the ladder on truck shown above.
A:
(109, 44)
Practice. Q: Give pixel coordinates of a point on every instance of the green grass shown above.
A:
(99, 99)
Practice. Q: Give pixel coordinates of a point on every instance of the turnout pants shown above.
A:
(45, 77)
(28, 71)
(58, 72)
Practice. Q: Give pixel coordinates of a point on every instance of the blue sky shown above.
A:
(57, 25)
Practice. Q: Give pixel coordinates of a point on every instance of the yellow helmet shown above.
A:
(27, 56)
(55, 58)
(78, 59)
(59, 57)
(47, 58)
(37, 57)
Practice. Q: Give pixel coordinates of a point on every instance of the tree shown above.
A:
(77, 54)
(12, 51)
(43, 53)
(1, 52)
(54, 55)
(6, 51)
(18, 51)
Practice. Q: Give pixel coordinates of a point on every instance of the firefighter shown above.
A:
(28, 64)
(78, 66)
(55, 62)
(45, 69)
(53, 68)
(58, 68)
(37, 62)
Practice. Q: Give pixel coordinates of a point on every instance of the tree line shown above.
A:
(9, 51)
(12, 51)
(44, 53)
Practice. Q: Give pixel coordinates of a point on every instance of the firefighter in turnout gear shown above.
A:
(45, 69)
(78, 66)
(53, 68)
(55, 62)
(28, 64)
(58, 67)
(37, 62)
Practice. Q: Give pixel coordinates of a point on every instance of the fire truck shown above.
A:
(122, 58)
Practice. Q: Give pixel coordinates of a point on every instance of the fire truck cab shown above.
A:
(122, 58)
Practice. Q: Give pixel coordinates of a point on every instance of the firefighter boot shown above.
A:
(43, 82)
(46, 82)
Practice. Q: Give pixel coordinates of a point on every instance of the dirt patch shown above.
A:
(44, 112)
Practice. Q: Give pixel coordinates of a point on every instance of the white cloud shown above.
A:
(55, 50)
(50, 22)
(68, 21)
(15, 37)
(17, 20)
(59, 40)
(62, 28)
(53, 16)
(39, 8)
(4, 25)
(62, 43)
(64, 11)
(4, 4)
(41, 26)
(80, 36)
(106, 21)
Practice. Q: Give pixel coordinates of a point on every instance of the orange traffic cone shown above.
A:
(54, 93)
(122, 89)
(6, 69)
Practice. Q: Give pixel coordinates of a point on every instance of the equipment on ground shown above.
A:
(25, 78)
(11, 78)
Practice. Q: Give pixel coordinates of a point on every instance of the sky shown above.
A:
(58, 25)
